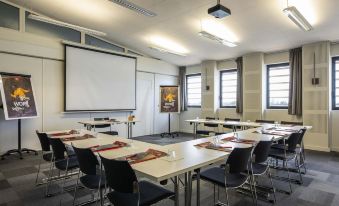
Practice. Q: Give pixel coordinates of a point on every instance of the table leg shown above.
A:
(176, 190)
(128, 134)
(198, 187)
(195, 125)
(186, 189)
(189, 188)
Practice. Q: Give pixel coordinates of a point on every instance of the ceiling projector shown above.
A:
(219, 11)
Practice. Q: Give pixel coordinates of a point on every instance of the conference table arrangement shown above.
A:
(159, 163)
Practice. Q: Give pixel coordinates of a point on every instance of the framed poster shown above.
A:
(169, 99)
(17, 96)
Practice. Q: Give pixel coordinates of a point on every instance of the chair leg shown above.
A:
(270, 176)
(252, 192)
(255, 190)
(75, 189)
(49, 178)
(227, 200)
(37, 174)
(213, 194)
(298, 166)
(289, 176)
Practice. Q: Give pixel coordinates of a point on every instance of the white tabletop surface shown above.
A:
(189, 157)
(103, 122)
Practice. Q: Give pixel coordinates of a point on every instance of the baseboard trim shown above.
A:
(317, 148)
(335, 149)
(186, 131)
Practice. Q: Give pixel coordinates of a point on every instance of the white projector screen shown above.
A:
(99, 81)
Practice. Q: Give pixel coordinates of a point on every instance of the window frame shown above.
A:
(334, 60)
(186, 90)
(268, 67)
(220, 87)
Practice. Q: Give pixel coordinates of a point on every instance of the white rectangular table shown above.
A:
(190, 157)
(91, 124)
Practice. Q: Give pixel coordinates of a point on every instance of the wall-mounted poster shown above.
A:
(18, 97)
(169, 99)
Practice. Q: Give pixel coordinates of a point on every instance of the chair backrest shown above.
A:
(264, 121)
(231, 119)
(44, 142)
(239, 159)
(120, 175)
(292, 123)
(58, 148)
(293, 140)
(302, 135)
(261, 151)
(87, 160)
(101, 119)
(210, 124)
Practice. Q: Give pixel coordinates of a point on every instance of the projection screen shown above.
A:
(98, 81)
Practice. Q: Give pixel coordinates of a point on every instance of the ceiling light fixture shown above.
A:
(293, 13)
(134, 7)
(163, 50)
(64, 24)
(218, 39)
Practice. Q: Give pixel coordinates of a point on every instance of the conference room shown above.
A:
(171, 102)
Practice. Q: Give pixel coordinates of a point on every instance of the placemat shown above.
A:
(115, 145)
(65, 133)
(86, 136)
(235, 140)
(150, 154)
(210, 145)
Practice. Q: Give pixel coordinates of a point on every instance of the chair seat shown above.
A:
(149, 194)
(216, 175)
(280, 154)
(110, 133)
(92, 181)
(72, 164)
(203, 132)
(123, 199)
(258, 169)
(47, 156)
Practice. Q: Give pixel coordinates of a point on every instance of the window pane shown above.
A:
(278, 85)
(335, 99)
(90, 40)
(51, 30)
(228, 89)
(193, 88)
(9, 16)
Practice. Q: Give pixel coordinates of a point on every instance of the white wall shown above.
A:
(43, 59)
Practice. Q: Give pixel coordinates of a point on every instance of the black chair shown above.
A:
(127, 190)
(61, 161)
(292, 123)
(234, 128)
(288, 153)
(236, 175)
(110, 132)
(260, 164)
(208, 125)
(91, 178)
(46, 153)
(264, 121)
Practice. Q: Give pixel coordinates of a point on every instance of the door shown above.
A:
(161, 119)
(145, 104)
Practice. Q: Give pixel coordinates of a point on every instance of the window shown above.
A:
(335, 83)
(193, 90)
(90, 40)
(51, 30)
(278, 79)
(228, 88)
(9, 16)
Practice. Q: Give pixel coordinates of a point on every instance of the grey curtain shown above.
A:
(295, 92)
(239, 104)
(182, 83)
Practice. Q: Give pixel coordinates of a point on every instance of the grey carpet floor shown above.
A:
(321, 183)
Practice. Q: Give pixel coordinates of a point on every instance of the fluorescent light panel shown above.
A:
(134, 7)
(64, 24)
(218, 39)
(163, 50)
(293, 13)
